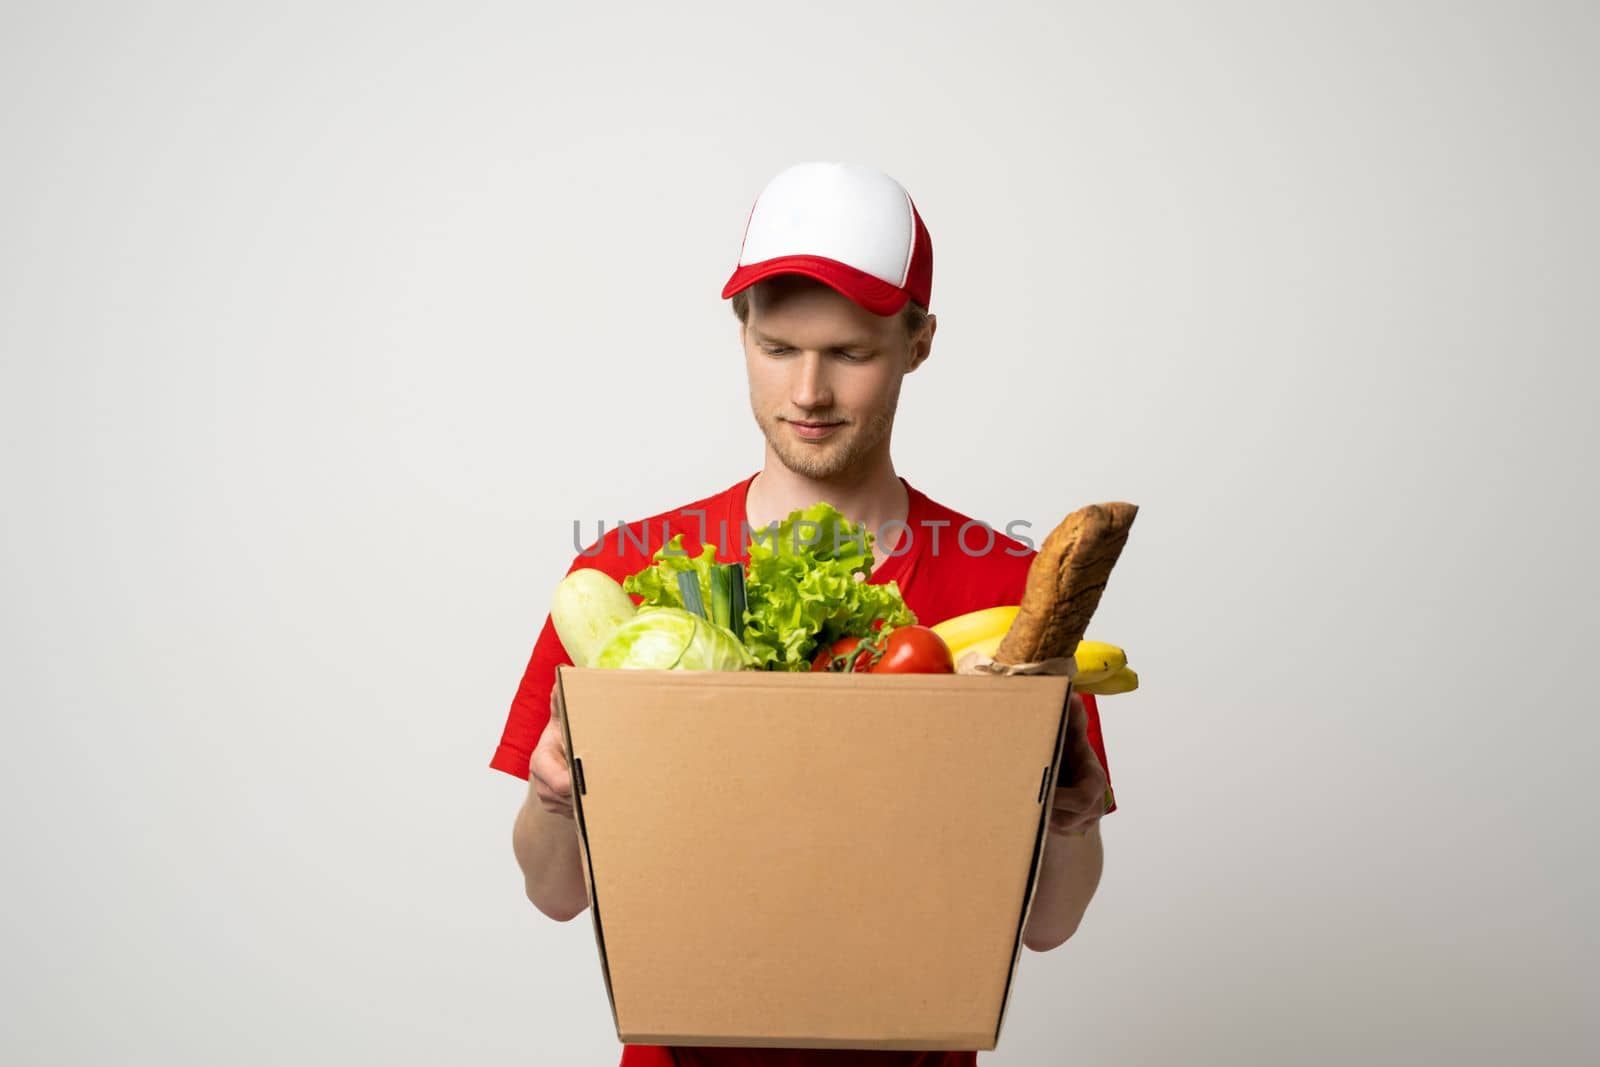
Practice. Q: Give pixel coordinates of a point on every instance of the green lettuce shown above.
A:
(658, 584)
(805, 587)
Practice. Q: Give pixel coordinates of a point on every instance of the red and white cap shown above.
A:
(850, 227)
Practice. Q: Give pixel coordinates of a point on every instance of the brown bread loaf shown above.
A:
(1065, 582)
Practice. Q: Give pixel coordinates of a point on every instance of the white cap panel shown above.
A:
(853, 214)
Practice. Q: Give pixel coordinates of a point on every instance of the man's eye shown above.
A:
(853, 357)
(774, 350)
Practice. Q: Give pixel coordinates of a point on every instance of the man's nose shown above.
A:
(809, 390)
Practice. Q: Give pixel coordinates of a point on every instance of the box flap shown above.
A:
(1047, 790)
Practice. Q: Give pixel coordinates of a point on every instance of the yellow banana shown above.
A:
(1123, 681)
(984, 648)
(975, 626)
(982, 632)
(1097, 661)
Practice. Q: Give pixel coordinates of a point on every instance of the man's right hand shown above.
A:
(549, 770)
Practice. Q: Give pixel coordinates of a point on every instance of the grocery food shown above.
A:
(671, 639)
(1123, 681)
(803, 603)
(1065, 582)
(844, 656)
(806, 587)
(803, 589)
(960, 631)
(587, 606)
(979, 633)
(1096, 661)
(903, 650)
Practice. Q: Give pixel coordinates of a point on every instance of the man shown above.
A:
(831, 291)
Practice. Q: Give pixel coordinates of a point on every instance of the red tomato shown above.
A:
(842, 647)
(908, 650)
(915, 650)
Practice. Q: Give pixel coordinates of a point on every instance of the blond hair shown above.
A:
(913, 316)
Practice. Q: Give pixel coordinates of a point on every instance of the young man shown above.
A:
(831, 292)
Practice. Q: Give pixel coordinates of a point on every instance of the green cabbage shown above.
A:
(664, 638)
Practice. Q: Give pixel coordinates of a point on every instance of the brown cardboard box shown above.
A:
(810, 860)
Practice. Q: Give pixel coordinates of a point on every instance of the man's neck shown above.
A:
(873, 495)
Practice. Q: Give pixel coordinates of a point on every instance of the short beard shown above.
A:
(824, 464)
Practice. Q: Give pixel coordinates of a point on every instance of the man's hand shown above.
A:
(1081, 782)
(545, 836)
(549, 770)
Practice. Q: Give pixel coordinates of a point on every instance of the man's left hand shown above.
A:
(1081, 782)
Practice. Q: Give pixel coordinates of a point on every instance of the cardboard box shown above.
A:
(811, 860)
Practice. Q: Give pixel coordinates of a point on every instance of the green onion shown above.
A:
(736, 605)
(727, 597)
(721, 596)
(689, 587)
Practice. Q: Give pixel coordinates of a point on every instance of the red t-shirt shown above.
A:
(945, 564)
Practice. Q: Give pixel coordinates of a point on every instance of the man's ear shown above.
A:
(922, 344)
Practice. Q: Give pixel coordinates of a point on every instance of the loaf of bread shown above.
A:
(1065, 582)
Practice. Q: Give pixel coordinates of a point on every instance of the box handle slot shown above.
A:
(1044, 780)
(577, 777)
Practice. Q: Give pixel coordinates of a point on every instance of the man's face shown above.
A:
(824, 374)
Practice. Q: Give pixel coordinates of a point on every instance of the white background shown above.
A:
(321, 323)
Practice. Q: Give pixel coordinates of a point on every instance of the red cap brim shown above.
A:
(871, 292)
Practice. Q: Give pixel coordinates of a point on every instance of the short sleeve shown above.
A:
(1097, 742)
(530, 708)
